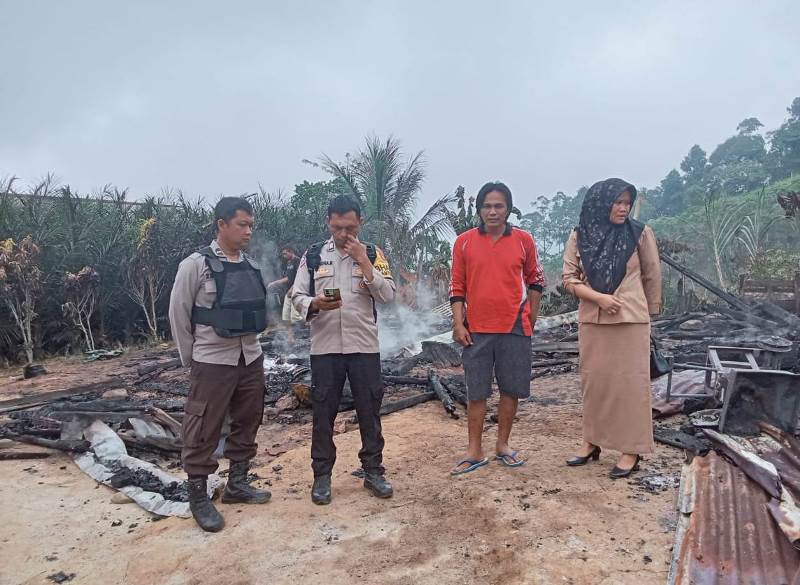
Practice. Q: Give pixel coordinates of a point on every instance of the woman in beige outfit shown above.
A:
(611, 264)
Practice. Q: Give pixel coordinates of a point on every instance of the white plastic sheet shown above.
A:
(108, 451)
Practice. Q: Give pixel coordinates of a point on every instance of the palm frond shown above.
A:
(342, 172)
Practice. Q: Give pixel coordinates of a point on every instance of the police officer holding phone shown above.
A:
(338, 284)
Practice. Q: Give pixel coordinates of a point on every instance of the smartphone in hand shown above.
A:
(333, 293)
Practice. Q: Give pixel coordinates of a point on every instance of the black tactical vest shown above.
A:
(240, 307)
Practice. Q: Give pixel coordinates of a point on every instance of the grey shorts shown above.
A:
(502, 355)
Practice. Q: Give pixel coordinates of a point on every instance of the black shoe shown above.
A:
(578, 460)
(238, 491)
(618, 473)
(377, 485)
(203, 511)
(321, 490)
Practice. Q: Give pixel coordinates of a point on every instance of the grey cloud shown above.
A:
(214, 98)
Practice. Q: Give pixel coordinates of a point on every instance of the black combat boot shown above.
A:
(238, 491)
(204, 512)
(321, 490)
(377, 485)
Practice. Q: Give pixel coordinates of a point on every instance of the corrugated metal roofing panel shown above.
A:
(730, 538)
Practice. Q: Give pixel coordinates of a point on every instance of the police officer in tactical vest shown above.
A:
(338, 283)
(216, 309)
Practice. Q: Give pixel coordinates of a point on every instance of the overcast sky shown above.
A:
(217, 97)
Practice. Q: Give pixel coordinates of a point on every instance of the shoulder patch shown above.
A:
(382, 265)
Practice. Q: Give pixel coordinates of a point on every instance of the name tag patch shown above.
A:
(323, 271)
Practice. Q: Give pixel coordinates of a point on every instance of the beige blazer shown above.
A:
(640, 289)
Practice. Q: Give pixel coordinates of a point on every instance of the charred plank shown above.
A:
(447, 401)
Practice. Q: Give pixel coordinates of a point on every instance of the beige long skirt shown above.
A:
(615, 380)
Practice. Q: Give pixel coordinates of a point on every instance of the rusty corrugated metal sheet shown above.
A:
(745, 455)
(786, 459)
(728, 536)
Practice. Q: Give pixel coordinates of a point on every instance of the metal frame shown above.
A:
(716, 366)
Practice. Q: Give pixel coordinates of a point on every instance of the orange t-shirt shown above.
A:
(493, 277)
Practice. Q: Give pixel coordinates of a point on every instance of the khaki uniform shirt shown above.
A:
(195, 286)
(640, 289)
(353, 328)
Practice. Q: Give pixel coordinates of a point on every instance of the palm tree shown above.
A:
(388, 188)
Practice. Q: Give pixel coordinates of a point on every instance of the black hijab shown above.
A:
(604, 246)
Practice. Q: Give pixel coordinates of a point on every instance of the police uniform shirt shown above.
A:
(353, 328)
(195, 286)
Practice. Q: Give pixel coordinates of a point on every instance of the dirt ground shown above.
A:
(542, 523)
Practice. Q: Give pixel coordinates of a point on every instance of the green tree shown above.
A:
(465, 218)
(737, 178)
(694, 164)
(670, 200)
(784, 154)
(739, 148)
(309, 206)
(749, 126)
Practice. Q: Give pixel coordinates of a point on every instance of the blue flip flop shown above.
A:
(473, 465)
(505, 457)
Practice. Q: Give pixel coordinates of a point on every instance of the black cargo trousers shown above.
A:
(328, 374)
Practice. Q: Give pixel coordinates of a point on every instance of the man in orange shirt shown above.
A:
(495, 290)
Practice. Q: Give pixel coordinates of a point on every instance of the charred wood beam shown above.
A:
(681, 440)
(732, 300)
(169, 389)
(71, 445)
(750, 319)
(105, 416)
(555, 347)
(402, 404)
(553, 370)
(48, 397)
(440, 354)
(46, 433)
(455, 392)
(404, 380)
(159, 444)
(447, 401)
(779, 313)
(99, 406)
(165, 419)
(15, 455)
(174, 363)
(116, 406)
(553, 362)
(692, 334)
(144, 370)
(667, 324)
(405, 366)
